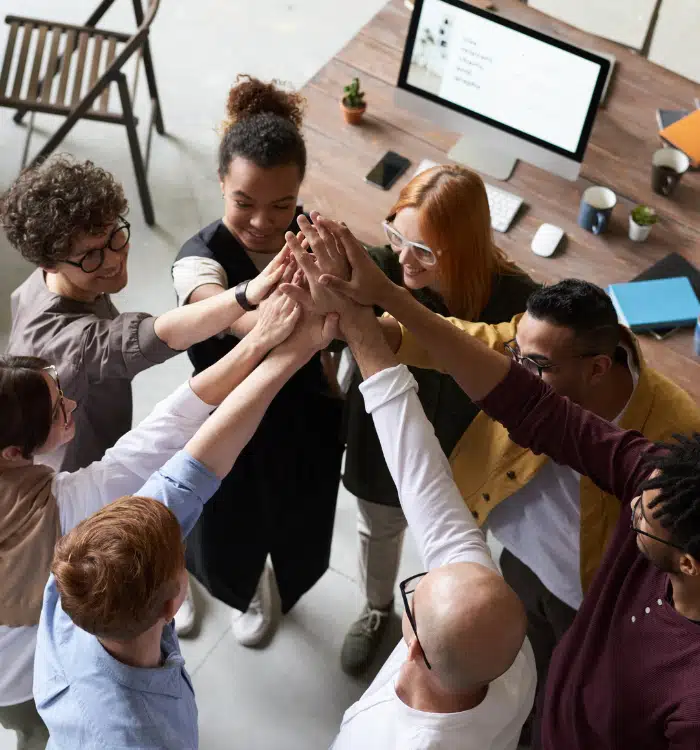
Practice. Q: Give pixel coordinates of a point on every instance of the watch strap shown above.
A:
(241, 296)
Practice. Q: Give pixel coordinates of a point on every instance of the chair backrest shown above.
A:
(77, 39)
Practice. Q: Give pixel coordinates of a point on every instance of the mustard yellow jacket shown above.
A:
(488, 467)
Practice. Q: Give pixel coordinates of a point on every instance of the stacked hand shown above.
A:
(268, 278)
(278, 314)
(337, 278)
(340, 275)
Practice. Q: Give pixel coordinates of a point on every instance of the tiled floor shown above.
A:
(291, 694)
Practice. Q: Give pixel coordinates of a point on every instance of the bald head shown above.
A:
(471, 624)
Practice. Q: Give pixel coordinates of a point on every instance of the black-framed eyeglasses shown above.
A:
(407, 589)
(637, 530)
(61, 402)
(117, 240)
(532, 365)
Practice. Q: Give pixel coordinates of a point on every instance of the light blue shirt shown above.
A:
(91, 701)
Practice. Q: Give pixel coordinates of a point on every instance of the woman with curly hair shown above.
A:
(68, 218)
(289, 472)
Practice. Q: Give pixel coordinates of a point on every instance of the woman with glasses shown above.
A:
(440, 247)
(37, 505)
(67, 218)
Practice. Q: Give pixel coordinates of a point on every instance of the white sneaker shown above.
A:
(184, 618)
(251, 627)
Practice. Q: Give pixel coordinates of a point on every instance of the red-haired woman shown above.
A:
(441, 249)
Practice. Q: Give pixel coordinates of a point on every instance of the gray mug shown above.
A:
(597, 205)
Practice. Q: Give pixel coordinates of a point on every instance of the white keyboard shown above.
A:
(503, 207)
(502, 204)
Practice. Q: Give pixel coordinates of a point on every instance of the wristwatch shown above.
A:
(241, 297)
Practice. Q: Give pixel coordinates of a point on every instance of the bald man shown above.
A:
(463, 676)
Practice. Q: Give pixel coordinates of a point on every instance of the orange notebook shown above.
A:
(685, 136)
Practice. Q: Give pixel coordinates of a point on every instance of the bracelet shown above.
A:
(241, 297)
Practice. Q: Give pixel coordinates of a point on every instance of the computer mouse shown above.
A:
(546, 240)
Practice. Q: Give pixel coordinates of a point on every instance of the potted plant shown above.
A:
(642, 219)
(353, 103)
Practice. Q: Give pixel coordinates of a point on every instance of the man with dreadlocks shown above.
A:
(626, 675)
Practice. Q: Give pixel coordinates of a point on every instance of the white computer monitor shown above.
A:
(513, 92)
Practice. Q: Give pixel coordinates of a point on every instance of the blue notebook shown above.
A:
(660, 303)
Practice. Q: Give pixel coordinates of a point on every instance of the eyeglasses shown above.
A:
(637, 530)
(61, 403)
(407, 589)
(93, 259)
(536, 368)
(424, 255)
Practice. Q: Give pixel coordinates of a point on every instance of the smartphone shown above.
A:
(387, 170)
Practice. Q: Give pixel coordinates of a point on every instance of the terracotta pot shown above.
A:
(352, 115)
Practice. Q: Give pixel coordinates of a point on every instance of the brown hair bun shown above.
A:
(251, 96)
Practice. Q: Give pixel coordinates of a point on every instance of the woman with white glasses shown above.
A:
(441, 249)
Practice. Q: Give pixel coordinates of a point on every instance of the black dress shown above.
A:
(446, 405)
(280, 496)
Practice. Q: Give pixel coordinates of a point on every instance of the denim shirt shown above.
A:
(88, 699)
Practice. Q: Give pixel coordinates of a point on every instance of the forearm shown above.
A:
(245, 324)
(392, 332)
(367, 341)
(442, 525)
(187, 325)
(219, 442)
(476, 368)
(215, 383)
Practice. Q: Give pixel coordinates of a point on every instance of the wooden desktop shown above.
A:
(619, 156)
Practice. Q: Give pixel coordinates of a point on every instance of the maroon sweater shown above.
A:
(626, 676)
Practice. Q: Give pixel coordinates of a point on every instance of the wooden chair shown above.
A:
(74, 78)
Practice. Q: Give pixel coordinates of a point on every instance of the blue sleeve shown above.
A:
(183, 484)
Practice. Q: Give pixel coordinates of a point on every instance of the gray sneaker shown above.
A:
(363, 639)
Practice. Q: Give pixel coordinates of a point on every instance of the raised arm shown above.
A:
(536, 417)
(171, 424)
(188, 324)
(442, 526)
(188, 480)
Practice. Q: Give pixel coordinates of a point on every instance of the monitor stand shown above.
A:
(474, 154)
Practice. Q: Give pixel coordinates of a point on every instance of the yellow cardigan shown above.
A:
(488, 467)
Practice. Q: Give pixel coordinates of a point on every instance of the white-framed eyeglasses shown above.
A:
(424, 255)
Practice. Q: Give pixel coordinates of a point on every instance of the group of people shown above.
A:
(480, 401)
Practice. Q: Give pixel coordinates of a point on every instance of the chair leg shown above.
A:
(30, 130)
(149, 70)
(152, 87)
(55, 140)
(136, 157)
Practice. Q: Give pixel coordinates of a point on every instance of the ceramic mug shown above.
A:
(668, 165)
(597, 205)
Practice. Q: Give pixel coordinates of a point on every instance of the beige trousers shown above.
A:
(381, 529)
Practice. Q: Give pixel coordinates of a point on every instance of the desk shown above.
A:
(618, 155)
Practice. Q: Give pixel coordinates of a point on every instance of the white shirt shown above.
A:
(540, 524)
(192, 272)
(445, 532)
(123, 471)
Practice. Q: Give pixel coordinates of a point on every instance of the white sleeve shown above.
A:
(441, 523)
(194, 271)
(133, 458)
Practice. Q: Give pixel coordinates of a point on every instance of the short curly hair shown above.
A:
(50, 206)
